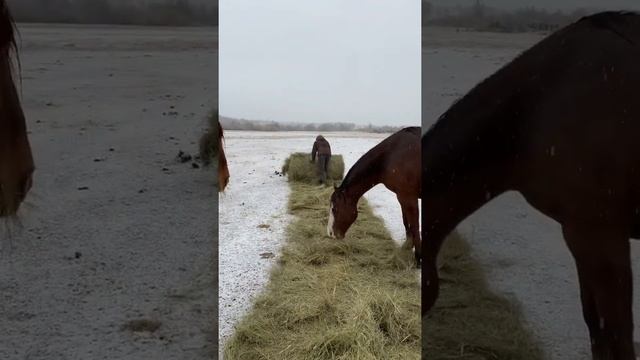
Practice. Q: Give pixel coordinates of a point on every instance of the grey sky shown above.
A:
(550, 4)
(321, 61)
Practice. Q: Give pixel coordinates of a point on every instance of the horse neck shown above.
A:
(443, 211)
(468, 159)
(364, 175)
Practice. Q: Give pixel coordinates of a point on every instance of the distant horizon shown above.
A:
(551, 5)
(293, 122)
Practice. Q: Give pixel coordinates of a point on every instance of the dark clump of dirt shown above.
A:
(183, 157)
(142, 325)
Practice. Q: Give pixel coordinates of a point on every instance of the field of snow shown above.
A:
(523, 251)
(256, 196)
(115, 229)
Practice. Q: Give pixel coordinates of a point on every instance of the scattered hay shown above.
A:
(469, 321)
(357, 298)
(299, 168)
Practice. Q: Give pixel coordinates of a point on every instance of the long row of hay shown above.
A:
(298, 167)
(469, 321)
(357, 298)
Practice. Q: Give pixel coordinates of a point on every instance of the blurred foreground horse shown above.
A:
(561, 125)
(16, 162)
(211, 146)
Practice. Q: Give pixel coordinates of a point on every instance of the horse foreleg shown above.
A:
(411, 219)
(404, 221)
(604, 269)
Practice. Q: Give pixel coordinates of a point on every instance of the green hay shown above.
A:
(298, 167)
(469, 321)
(357, 298)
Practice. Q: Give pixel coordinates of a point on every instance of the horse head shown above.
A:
(16, 161)
(343, 212)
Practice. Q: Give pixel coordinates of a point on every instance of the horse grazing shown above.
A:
(16, 162)
(560, 124)
(395, 162)
(211, 146)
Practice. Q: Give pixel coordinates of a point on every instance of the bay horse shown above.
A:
(16, 161)
(223, 168)
(394, 162)
(559, 124)
(211, 146)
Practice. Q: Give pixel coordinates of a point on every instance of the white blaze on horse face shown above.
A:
(331, 221)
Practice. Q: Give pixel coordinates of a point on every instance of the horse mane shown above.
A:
(615, 21)
(351, 174)
(368, 158)
(7, 29)
(476, 113)
(8, 32)
(480, 129)
(415, 130)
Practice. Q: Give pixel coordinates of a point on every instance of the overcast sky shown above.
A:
(549, 4)
(321, 61)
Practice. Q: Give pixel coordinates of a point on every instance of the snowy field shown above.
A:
(522, 250)
(256, 196)
(114, 229)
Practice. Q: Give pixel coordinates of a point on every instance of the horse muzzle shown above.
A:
(334, 234)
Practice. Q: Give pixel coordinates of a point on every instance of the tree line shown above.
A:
(260, 125)
(485, 18)
(166, 13)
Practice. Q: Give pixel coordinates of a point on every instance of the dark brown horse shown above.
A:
(223, 168)
(561, 125)
(16, 162)
(394, 162)
(212, 146)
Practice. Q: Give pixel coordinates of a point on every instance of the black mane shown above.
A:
(613, 21)
(8, 45)
(616, 22)
(7, 29)
(415, 130)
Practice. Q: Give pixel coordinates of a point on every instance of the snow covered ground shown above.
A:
(256, 195)
(116, 228)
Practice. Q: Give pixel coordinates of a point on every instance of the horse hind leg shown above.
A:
(602, 258)
(411, 220)
(404, 221)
